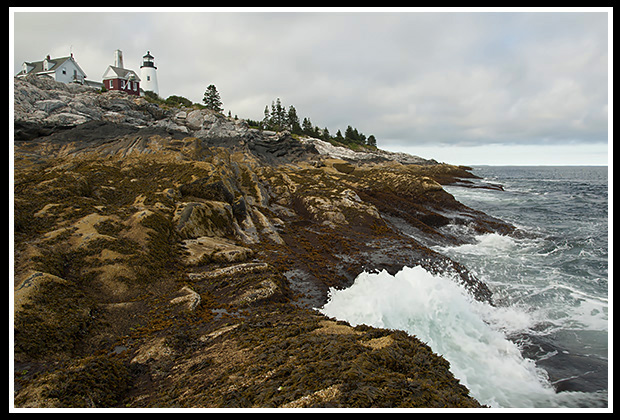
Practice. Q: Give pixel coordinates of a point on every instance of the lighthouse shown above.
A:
(148, 74)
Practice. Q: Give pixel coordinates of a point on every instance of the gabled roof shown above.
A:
(56, 63)
(113, 72)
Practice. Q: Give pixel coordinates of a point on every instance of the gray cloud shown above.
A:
(407, 78)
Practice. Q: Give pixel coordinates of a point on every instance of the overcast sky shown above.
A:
(460, 87)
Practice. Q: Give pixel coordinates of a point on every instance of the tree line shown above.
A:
(279, 118)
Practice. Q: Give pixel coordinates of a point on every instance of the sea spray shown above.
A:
(550, 292)
(438, 311)
(556, 270)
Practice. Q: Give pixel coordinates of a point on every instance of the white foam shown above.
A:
(489, 243)
(525, 272)
(464, 331)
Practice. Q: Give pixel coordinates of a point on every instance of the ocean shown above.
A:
(543, 343)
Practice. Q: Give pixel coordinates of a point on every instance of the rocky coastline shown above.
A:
(170, 257)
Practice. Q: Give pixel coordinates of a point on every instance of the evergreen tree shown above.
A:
(281, 113)
(273, 116)
(326, 136)
(266, 123)
(277, 118)
(292, 120)
(278, 115)
(318, 133)
(350, 134)
(307, 127)
(212, 99)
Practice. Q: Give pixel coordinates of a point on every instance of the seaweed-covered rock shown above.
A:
(209, 218)
(208, 189)
(164, 267)
(211, 249)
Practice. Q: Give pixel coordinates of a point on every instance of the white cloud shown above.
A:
(407, 78)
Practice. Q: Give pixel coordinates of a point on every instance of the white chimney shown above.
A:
(118, 59)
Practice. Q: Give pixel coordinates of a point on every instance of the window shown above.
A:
(148, 78)
(64, 71)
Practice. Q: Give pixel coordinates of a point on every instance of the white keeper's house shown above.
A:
(63, 69)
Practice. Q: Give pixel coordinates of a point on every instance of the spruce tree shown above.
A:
(267, 119)
(212, 99)
(281, 113)
(350, 134)
(307, 127)
(326, 136)
(292, 120)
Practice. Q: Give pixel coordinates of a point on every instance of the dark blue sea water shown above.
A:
(544, 342)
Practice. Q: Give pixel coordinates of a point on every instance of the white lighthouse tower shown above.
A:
(148, 74)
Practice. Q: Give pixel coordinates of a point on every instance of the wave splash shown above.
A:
(438, 311)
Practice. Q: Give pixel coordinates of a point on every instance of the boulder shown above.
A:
(232, 271)
(210, 218)
(189, 298)
(344, 167)
(194, 120)
(265, 290)
(49, 105)
(208, 249)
